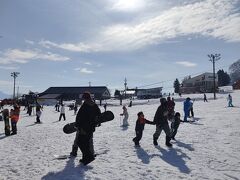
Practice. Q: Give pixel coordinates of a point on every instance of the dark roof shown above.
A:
(50, 96)
(98, 91)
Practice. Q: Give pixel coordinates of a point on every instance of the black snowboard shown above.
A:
(6, 121)
(104, 117)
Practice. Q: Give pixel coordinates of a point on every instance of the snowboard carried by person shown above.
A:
(104, 117)
(5, 113)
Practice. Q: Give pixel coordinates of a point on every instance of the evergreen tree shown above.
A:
(176, 86)
(234, 70)
(223, 78)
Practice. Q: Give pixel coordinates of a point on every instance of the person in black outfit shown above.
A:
(161, 121)
(85, 123)
(140, 123)
(175, 124)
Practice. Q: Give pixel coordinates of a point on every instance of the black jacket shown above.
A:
(86, 117)
(140, 124)
(161, 115)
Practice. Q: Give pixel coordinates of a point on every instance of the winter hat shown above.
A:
(86, 95)
(163, 100)
(177, 114)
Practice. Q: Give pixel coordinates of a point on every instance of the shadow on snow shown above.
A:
(70, 171)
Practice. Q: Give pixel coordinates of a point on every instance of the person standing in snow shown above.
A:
(140, 123)
(170, 107)
(161, 121)
(205, 98)
(14, 114)
(38, 113)
(62, 112)
(125, 114)
(85, 123)
(175, 124)
(186, 108)
(229, 100)
(191, 109)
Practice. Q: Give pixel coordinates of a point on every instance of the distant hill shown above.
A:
(3, 95)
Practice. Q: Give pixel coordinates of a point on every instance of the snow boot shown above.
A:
(168, 141)
(155, 141)
(74, 151)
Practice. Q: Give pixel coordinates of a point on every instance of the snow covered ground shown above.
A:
(206, 149)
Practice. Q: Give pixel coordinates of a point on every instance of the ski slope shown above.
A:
(206, 149)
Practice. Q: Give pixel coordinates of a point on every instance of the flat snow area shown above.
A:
(205, 149)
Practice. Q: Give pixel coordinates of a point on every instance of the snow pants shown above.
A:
(85, 143)
(186, 114)
(14, 127)
(62, 115)
(125, 120)
(159, 129)
(174, 128)
(138, 137)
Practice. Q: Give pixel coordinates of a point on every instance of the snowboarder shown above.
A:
(160, 119)
(205, 98)
(125, 114)
(186, 108)
(14, 114)
(229, 100)
(175, 125)
(62, 112)
(140, 123)
(85, 123)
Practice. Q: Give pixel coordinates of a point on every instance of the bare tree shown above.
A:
(234, 70)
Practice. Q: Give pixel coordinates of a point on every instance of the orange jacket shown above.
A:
(14, 114)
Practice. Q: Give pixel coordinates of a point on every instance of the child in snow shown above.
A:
(125, 114)
(62, 113)
(186, 108)
(38, 113)
(230, 101)
(175, 125)
(14, 114)
(140, 123)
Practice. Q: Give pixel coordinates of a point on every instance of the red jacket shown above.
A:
(14, 114)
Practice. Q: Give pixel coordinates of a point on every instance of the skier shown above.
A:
(14, 114)
(140, 123)
(85, 123)
(186, 108)
(205, 98)
(105, 106)
(62, 112)
(75, 109)
(229, 101)
(160, 119)
(125, 114)
(175, 125)
(38, 113)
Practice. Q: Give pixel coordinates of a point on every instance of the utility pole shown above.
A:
(125, 85)
(213, 59)
(89, 83)
(14, 75)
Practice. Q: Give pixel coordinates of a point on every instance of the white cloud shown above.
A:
(186, 63)
(29, 42)
(127, 5)
(84, 70)
(88, 63)
(23, 56)
(9, 67)
(210, 18)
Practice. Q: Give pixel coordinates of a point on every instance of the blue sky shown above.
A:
(72, 43)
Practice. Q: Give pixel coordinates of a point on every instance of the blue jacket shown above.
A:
(186, 105)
